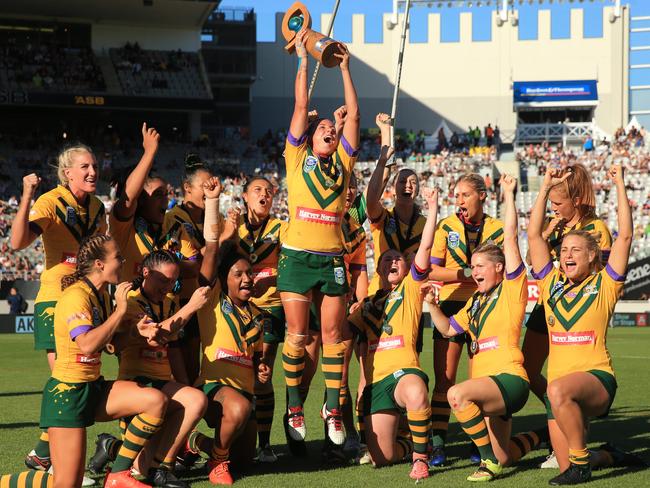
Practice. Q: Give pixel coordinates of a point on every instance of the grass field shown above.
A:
(23, 373)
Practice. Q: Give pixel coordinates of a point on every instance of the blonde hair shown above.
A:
(579, 185)
(476, 181)
(592, 246)
(493, 252)
(65, 160)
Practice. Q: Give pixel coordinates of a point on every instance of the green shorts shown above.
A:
(609, 383)
(537, 320)
(514, 390)
(380, 395)
(71, 404)
(301, 271)
(150, 382)
(449, 308)
(210, 389)
(44, 326)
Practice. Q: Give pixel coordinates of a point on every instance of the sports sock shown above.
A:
(27, 479)
(124, 423)
(522, 444)
(579, 456)
(440, 412)
(361, 425)
(403, 448)
(141, 428)
(293, 363)
(219, 455)
(332, 366)
(420, 425)
(472, 421)
(264, 408)
(344, 395)
(200, 443)
(42, 448)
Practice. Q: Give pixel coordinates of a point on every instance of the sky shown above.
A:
(373, 10)
(481, 25)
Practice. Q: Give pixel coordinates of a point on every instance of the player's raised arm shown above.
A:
(353, 115)
(208, 273)
(510, 228)
(620, 253)
(21, 234)
(424, 250)
(540, 255)
(379, 177)
(127, 203)
(299, 120)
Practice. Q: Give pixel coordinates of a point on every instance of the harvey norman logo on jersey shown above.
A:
(318, 216)
(234, 358)
(386, 344)
(573, 338)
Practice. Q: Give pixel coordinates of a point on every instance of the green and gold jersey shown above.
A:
(453, 245)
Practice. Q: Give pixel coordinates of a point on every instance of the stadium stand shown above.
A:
(48, 67)
(158, 73)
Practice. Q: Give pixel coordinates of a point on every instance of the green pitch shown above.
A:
(23, 373)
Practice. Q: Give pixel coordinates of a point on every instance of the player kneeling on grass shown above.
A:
(231, 337)
(388, 321)
(579, 300)
(76, 395)
(498, 385)
(146, 361)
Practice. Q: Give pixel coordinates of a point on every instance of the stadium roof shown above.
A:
(177, 13)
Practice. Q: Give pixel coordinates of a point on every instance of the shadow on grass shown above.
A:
(18, 425)
(20, 393)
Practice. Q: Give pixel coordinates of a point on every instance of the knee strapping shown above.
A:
(298, 341)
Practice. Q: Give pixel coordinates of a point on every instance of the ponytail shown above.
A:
(91, 249)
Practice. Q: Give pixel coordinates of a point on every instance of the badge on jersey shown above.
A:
(97, 318)
(70, 216)
(310, 164)
(339, 276)
(391, 226)
(394, 295)
(226, 307)
(590, 290)
(453, 240)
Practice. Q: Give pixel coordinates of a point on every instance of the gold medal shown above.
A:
(551, 320)
(388, 329)
(253, 257)
(473, 347)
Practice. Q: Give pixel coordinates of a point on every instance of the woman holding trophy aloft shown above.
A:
(311, 267)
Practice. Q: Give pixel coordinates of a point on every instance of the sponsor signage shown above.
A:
(24, 324)
(637, 281)
(82, 100)
(630, 319)
(526, 92)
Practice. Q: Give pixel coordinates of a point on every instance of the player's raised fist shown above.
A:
(150, 138)
(30, 183)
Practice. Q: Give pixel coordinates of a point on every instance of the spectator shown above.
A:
(17, 303)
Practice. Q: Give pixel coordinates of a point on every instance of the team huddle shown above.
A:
(202, 299)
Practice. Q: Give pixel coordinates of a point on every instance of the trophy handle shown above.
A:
(295, 18)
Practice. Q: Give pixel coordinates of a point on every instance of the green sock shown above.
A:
(138, 433)
(42, 448)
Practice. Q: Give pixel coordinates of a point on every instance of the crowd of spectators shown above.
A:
(233, 156)
(49, 67)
